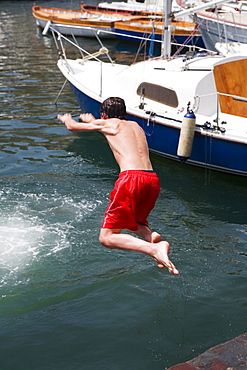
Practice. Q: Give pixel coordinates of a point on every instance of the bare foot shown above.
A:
(161, 257)
(155, 237)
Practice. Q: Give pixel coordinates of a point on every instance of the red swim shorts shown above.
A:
(132, 199)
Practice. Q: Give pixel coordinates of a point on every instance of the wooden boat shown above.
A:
(152, 29)
(125, 25)
(192, 108)
(84, 22)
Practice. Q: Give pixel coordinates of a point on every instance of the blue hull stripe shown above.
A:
(216, 154)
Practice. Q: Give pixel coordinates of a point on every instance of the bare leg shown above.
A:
(145, 233)
(111, 238)
(153, 237)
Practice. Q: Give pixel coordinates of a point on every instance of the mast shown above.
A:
(166, 42)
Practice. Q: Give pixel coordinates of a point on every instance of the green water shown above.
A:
(66, 302)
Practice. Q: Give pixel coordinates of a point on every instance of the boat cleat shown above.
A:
(214, 128)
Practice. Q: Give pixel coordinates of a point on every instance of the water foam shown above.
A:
(33, 227)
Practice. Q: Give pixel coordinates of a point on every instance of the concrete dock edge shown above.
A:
(231, 355)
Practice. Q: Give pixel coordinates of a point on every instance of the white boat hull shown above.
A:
(213, 31)
(217, 148)
(81, 31)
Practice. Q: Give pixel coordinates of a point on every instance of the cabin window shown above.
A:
(158, 93)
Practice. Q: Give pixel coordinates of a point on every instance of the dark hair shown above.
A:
(114, 108)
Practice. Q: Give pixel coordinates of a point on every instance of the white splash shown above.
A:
(20, 240)
(34, 227)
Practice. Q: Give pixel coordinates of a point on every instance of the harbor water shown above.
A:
(66, 302)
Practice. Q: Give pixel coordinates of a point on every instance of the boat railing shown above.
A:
(60, 41)
(221, 106)
(218, 94)
(226, 18)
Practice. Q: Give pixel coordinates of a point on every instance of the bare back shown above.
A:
(128, 143)
(126, 139)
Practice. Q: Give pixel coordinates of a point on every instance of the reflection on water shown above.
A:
(66, 302)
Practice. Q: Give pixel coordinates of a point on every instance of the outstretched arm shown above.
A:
(89, 122)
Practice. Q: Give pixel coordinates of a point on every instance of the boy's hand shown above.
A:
(67, 119)
(87, 117)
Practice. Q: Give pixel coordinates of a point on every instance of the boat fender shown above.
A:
(47, 27)
(186, 135)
